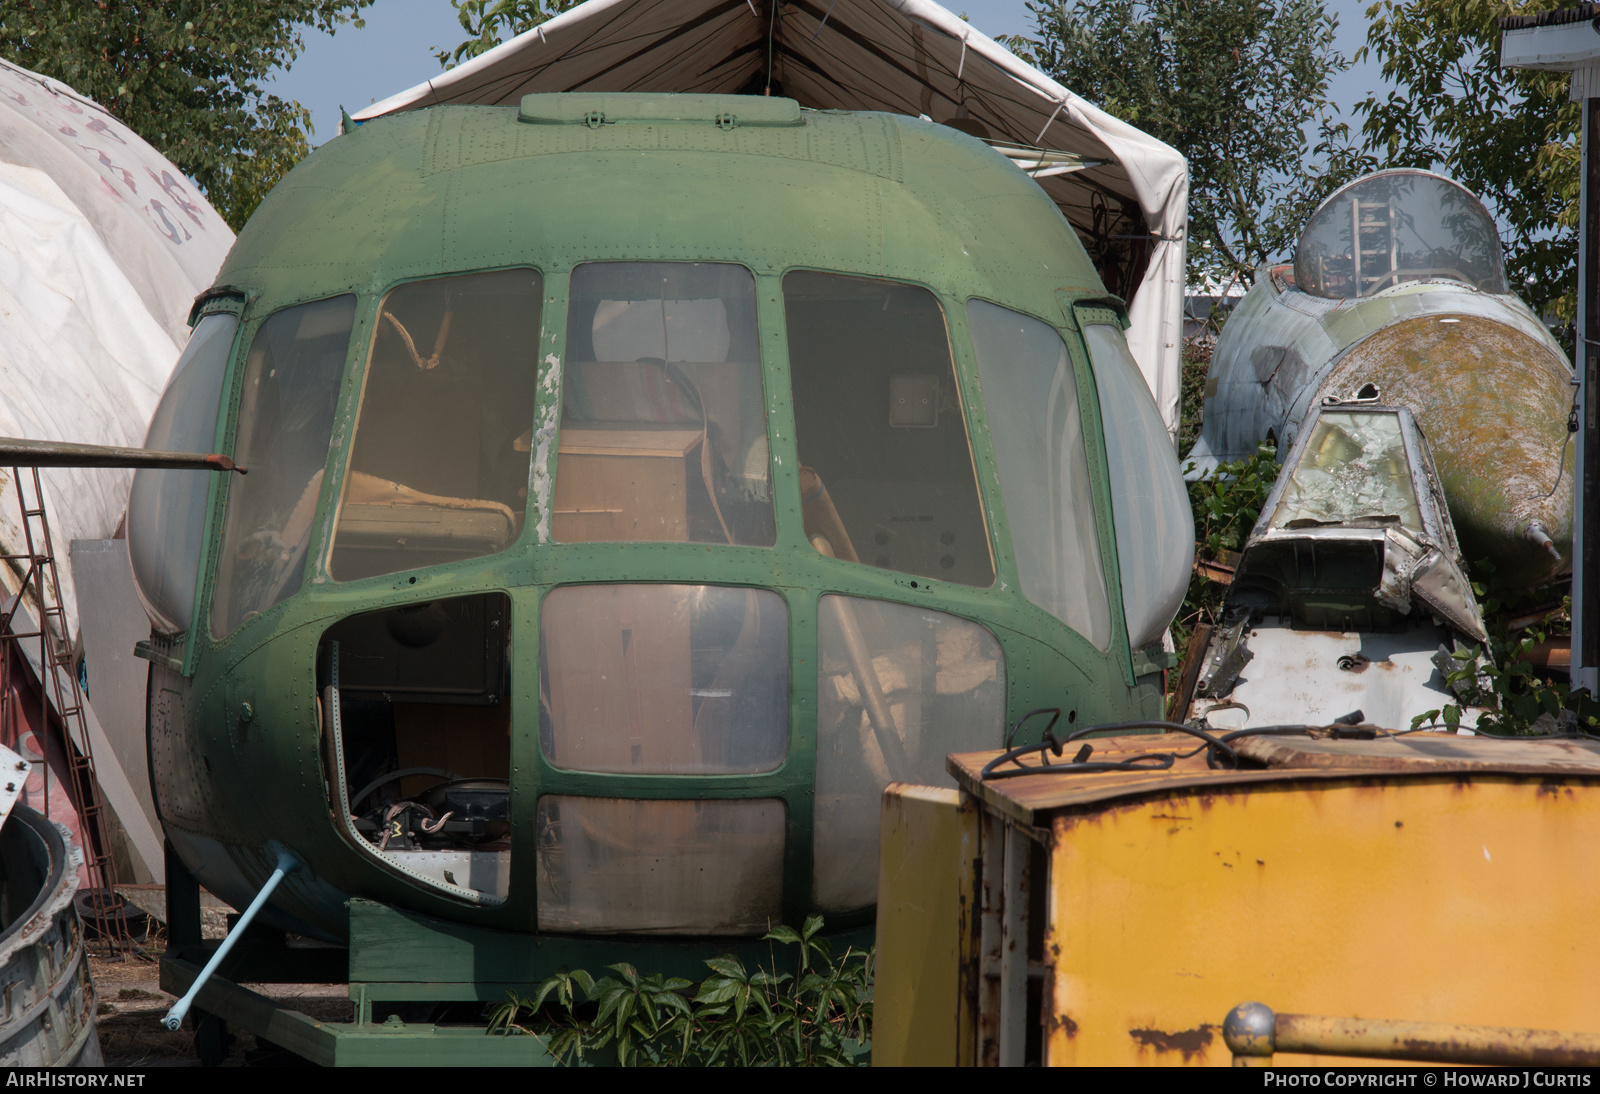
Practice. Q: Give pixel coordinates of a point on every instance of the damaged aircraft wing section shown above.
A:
(1125, 192)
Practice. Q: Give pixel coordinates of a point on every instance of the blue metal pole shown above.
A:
(287, 864)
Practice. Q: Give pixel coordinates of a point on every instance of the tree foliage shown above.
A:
(1234, 85)
(490, 22)
(1226, 505)
(1509, 136)
(1504, 677)
(187, 76)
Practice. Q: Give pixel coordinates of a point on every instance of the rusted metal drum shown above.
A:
(47, 1000)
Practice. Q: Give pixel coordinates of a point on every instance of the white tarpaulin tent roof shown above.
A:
(103, 246)
(1128, 199)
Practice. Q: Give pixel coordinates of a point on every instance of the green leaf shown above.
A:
(675, 1002)
(719, 990)
(764, 1018)
(625, 1005)
(558, 984)
(728, 967)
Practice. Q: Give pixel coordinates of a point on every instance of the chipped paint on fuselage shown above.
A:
(461, 189)
(1490, 388)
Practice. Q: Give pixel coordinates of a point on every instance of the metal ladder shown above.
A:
(1374, 220)
(56, 659)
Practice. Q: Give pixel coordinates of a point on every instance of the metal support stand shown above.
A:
(183, 903)
(401, 957)
(287, 864)
(1004, 879)
(1586, 515)
(1014, 951)
(991, 905)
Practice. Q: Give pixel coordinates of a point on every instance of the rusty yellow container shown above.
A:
(1117, 916)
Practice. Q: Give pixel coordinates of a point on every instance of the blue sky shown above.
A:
(394, 51)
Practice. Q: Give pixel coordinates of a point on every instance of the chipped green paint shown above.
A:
(460, 189)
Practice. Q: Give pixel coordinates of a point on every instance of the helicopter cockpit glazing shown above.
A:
(286, 414)
(663, 438)
(1396, 227)
(1040, 454)
(167, 508)
(439, 468)
(663, 432)
(895, 490)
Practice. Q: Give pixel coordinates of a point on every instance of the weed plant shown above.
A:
(1502, 676)
(1226, 505)
(820, 1015)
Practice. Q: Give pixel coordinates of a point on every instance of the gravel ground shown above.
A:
(131, 1005)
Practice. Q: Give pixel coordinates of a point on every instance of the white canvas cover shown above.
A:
(103, 246)
(902, 56)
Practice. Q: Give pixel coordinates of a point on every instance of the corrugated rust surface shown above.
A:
(1461, 898)
(1493, 403)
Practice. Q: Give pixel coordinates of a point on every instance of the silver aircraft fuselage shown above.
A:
(1488, 384)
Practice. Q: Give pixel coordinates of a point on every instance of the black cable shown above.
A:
(1146, 761)
(1214, 745)
(1170, 727)
(1338, 731)
(1048, 736)
(404, 772)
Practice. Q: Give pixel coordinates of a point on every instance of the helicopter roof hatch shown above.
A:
(1125, 192)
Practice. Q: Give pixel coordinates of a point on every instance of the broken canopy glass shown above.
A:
(1358, 508)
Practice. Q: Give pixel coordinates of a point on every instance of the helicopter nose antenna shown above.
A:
(288, 863)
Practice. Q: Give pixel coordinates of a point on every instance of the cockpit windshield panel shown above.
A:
(1395, 227)
(167, 508)
(1354, 471)
(886, 473)
(663, 431)
(290, 391)
(439, 466)
(1031, 395)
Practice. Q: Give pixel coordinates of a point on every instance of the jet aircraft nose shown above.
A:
(1493, 402)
